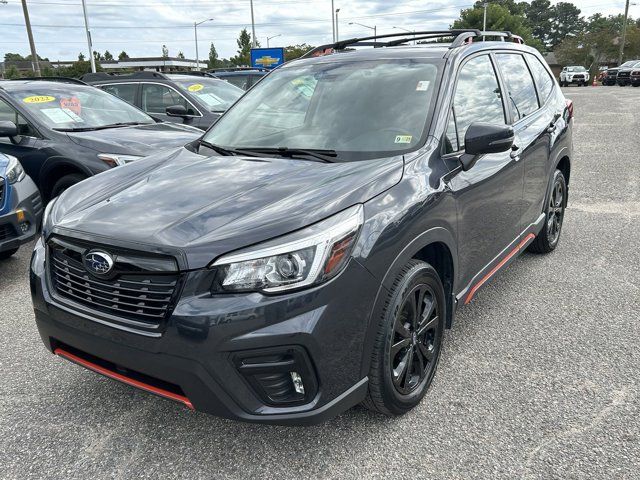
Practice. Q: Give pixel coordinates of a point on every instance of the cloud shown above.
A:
(141, 27)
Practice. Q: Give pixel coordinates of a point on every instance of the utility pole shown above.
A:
(333, 21)
(253, 28)
(624, 32)
(484, 22)
(195, 32)
(89, 43)
(35, 64)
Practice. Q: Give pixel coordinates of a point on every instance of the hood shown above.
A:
(136, 140)
(204, 207)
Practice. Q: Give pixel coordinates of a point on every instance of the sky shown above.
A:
(141, 27)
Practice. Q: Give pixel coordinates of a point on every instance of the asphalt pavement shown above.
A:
(540, 377)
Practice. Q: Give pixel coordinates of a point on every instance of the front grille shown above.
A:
(7, 232)
(624, 74)
(37, 205)
(145, 297)
(578, 77)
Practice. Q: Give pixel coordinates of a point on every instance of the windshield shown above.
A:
(576, 69)
(217, 95)
(68, 106)
(360, 109)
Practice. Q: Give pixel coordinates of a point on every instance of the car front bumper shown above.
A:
(20, 214)
(200, 356)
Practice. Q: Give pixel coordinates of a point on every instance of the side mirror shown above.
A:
(8, 129)
(177, 111)
(483, 139)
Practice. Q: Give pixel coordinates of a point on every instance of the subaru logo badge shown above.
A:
(98, 263)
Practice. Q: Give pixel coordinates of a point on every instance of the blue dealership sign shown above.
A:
(267, 57)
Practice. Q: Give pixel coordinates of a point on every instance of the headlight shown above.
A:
(15, 172)
(116, 159)
(306, 257)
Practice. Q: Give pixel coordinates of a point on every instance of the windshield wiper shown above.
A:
(327, 156)
(227, 151)
(100, 127)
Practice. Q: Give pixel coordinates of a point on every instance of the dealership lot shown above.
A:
(539, 377)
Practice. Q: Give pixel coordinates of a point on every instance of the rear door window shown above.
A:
(544, 81)
(521, 90)
(125, 91)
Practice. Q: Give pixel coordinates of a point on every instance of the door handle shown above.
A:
(515, 153)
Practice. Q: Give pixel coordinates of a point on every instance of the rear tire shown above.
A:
(7, 254)
(408, 341)
(549, 237)
(65, 182)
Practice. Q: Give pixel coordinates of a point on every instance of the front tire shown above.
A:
(408, 341)
(65, 182)
(549, 237)
(8, 253)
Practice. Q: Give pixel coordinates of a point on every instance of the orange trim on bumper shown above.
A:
(121, 378)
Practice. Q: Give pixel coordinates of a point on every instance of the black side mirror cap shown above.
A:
(483, 139)
(8, 129)
(177, 111)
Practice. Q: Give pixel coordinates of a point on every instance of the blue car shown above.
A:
(20, 206)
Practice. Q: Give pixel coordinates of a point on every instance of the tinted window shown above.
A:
(241, 81)
(126, 91)
(544, 81)
(156, 99)
(477, 99)
(216, 95)
(521, 90)
(8, 113)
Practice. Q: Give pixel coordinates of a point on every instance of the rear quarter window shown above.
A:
(521, 91)
(543, 79)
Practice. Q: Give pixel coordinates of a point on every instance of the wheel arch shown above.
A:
(435, 246)
(54, 169)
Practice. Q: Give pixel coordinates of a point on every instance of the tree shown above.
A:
(81, 57)
(165, 51)
(213, 57)
(539, 14)
(244, 49)
(97, 57)
(498, 18)
(107, 56)
(12, 73)
(296, 51)
(515, 8)
(566, 21)
(13, 57)
(123, 55)
(180, 54)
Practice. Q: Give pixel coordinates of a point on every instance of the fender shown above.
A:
(55, 161)
(433, 235)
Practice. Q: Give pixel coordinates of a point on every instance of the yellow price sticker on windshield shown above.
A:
(404, 138)
(39, 99)
(196, 87)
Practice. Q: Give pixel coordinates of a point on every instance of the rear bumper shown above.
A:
(15, 230)
(196, 356)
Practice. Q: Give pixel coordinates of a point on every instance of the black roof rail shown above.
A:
(461, 37)
(238, 69)
(193, 74)
(95, 77)
(54, 79)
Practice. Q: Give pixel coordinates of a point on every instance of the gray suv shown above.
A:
(307, 253)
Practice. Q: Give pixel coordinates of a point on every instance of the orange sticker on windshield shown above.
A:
(72, 103)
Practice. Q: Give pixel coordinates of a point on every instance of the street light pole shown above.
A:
(269, 38)
(195, 32)
(35, 64)
(410, 31)
(333, 21)
(624, 32)
(253, 28)
(374, 28)
(484, 21)
(337, 32)
(89, 43)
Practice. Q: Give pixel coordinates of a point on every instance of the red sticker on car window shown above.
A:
(72, 103)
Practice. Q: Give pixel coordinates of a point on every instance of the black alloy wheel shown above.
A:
(415, 340)
(548, 239)
(408, 340)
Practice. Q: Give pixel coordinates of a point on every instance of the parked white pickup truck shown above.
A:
(574, 75)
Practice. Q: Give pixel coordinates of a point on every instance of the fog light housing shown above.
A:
(24, 227)
(279, 376)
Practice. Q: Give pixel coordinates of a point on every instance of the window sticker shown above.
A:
(61, 115)
(196, 87)
(404, 139)
(39, 99)
(71, 103)
(423, 86)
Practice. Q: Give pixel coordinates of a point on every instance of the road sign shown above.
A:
(267, 57)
